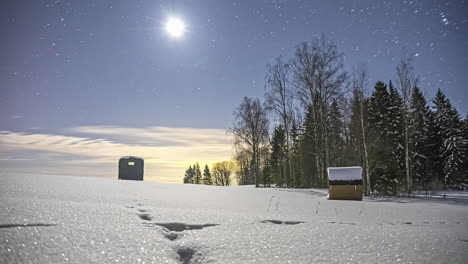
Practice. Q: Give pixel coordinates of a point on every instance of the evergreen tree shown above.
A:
(452, 153)
(384, 176)
(420, 144)
(395, 133)
(309, 151)
(276, 162)
(465, 167)
(207, 176)
(466, 125)
(296, 156)
(189, 173)
(378, 105)
(197, 174)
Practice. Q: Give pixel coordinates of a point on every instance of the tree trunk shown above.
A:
(366, 157)
(407, 160)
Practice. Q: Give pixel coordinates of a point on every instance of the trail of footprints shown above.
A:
(173, 231)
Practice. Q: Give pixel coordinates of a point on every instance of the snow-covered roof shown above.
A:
(345, 173)
(131, 157)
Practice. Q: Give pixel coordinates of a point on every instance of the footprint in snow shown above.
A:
(179, 227)
(279, 222)
(25, 225)
(146, 217)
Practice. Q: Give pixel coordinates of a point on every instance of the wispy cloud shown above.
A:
(159, 135)
(166, 150)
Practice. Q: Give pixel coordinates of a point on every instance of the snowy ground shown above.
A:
(58, 219)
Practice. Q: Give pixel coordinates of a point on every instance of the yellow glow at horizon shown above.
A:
(178, 148)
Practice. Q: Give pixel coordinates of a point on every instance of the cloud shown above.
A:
(159, 135)
(16, 117)
(167, 151)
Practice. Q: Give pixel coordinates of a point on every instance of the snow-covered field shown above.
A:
(59, 219)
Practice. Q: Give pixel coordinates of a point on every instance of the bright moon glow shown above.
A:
(175, 27)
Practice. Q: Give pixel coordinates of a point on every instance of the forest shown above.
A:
(316, 115)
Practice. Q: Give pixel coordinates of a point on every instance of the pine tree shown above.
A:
(395, 133)
(309, 151)
(452, 153)
(189, 173)
(384, 177)
(207, 176)
(420, 143)
(465, 169)
(277, 160)
(296, 155)
(197, 174)
(466, 125)
(378, 105)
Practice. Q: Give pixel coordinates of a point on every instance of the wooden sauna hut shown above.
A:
(345, 183)
(131, 168)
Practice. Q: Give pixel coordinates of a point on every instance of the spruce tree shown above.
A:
(276, 162)
(188, 178)
(197, 174)
(452, 153)
(297, 175)
(465, 169)
(395, 133)
(207, 176)
(309, 150)
(420, 140)
(378, 105)
(381, 158)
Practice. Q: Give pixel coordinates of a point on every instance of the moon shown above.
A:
(175, 27)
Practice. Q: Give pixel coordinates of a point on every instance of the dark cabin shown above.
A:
(131, 168)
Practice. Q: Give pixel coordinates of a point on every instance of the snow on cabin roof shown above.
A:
(131, 157)
(344, 173)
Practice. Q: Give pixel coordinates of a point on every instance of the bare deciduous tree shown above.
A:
(250, 130)
(222, 173)
(360, 83)
(406, 82)
(279, 101)
(242, 158)
(318, 71)
(319, 78)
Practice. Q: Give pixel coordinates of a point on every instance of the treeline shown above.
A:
(220, 174)
(316, 115)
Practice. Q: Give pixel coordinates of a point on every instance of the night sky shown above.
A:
(84, 82)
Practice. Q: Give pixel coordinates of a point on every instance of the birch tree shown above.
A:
(250, 132)
(319, 77)
(360, 83)
(279, 101)
(406, 81)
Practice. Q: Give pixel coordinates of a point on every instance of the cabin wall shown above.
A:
(131, 172)
(345, 192)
